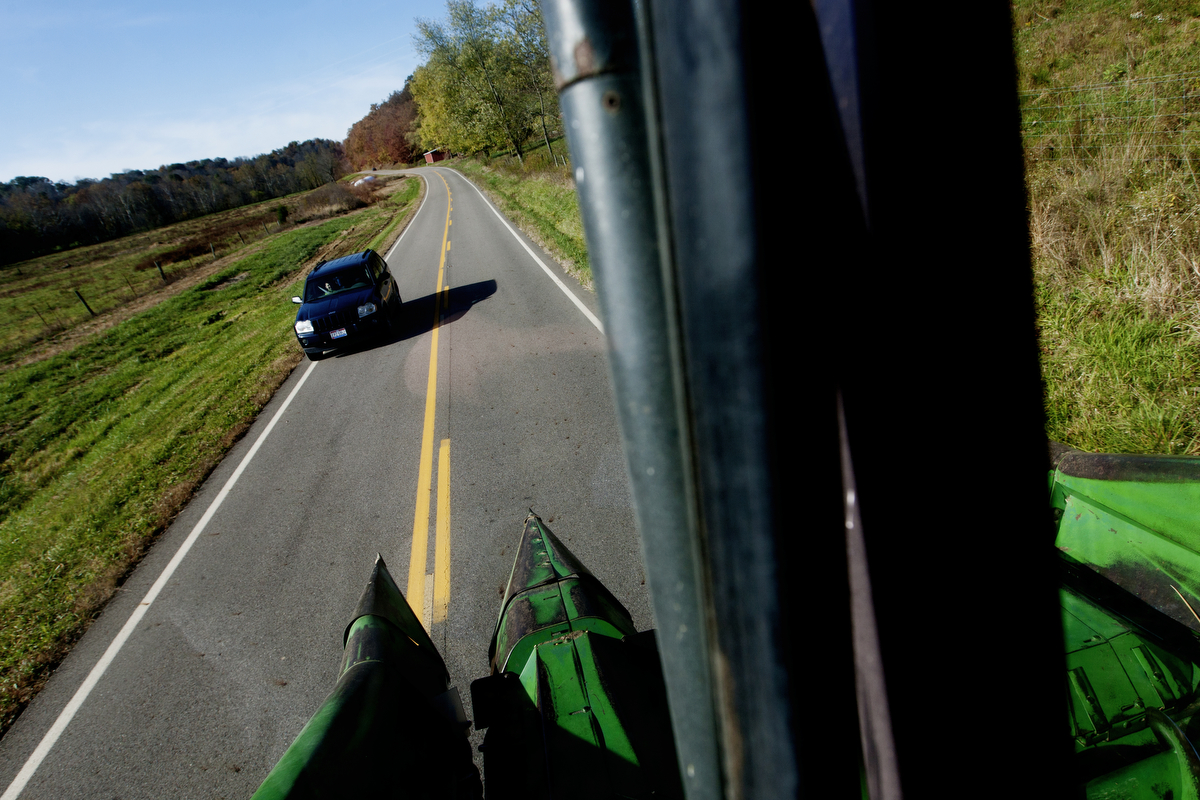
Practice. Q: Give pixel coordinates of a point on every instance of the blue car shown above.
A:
(346, 301)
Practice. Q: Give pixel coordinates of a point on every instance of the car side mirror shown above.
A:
(297, 301)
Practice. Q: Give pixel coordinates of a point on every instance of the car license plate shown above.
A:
(339, 333)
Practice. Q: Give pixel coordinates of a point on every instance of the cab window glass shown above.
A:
(336, 283)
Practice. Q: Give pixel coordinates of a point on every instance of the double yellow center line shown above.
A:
(431, 599)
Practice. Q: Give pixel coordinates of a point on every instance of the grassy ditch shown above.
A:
(540, 198)
(101, 445)
(1110, 100)
(402, 201)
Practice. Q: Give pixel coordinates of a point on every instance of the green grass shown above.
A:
(538, 197)
(1111, 170)
(101, 445)
(1118, 379)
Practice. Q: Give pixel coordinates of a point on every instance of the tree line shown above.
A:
(38, 216)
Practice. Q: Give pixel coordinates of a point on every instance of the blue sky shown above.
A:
(89, 89)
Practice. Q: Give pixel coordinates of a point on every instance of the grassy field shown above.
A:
(1110, 98)
(38, 297)
(540, 198)
(101, 444)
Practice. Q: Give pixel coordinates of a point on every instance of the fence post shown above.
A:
(85, 303)
(1079, 94)
(161, 274)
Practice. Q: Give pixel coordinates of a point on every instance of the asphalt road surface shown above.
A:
(428, 449)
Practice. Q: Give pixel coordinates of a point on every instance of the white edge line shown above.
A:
(81, 694)
(388, 257)
(587, 312)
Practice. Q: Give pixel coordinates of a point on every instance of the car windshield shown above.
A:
(336, 283)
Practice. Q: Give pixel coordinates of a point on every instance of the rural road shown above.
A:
(244, 641)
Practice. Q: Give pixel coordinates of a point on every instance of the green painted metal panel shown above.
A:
(1168, 505)
(617, 744)
(1149, 779)
(1086, 624)
(1136, 521)
(1152, 566)
(1129, 535)
(1173, 774)
(1116, 673)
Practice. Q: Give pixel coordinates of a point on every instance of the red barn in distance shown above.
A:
(434, 155)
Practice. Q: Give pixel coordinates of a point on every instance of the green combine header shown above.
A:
(574, 691)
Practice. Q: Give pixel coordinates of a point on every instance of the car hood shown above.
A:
(319, 308)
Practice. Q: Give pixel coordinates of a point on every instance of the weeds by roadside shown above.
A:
(540, 198)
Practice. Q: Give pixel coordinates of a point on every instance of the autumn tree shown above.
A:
(387, 133)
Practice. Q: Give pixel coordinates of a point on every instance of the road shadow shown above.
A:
(416, 316)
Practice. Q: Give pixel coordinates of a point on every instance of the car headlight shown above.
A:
(304, 326)
(366, 309)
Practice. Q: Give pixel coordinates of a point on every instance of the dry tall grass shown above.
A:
(333, 199)
(1114, 193)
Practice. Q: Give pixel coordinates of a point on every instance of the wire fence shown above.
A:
(1159, 115)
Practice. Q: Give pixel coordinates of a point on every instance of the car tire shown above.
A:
(314, 356)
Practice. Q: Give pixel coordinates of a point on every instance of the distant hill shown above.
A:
(39, 216)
